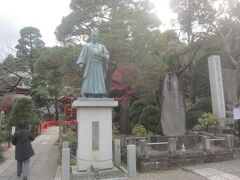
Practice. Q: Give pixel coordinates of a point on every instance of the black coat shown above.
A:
(22, 140)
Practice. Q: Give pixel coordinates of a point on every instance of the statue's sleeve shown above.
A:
(105, 57)
(105, 54)
(83, 56)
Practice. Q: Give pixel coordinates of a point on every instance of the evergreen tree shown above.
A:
(24, 111)
(28, 47)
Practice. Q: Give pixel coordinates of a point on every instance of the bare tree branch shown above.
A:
(190, 62)
(9, 87)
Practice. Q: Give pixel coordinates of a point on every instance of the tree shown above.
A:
(40, 93)
(28, 47)
(128, 29)
(8, 77)
(86, 16)
(210, 21)
(149, 118)
(23, 111)
(202, 18)
(200, 80)
(136, 110)
(57, 66)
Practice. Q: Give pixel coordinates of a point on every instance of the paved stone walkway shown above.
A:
(42, 166)
(227, 170)
(178, 174)
(214, 174)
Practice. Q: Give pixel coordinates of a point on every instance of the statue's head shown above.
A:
(94, 36)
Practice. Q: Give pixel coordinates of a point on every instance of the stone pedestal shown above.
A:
(94, 116)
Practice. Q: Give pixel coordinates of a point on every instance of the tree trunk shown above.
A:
(56, 107)
(124, 117)
(57, 119)
(48, 110)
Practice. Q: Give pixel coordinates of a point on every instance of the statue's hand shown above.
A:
(81, 65)
(95, 51)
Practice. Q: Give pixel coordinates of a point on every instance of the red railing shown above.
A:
(44, 125)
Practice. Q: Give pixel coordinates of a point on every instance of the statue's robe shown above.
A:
(95, 68)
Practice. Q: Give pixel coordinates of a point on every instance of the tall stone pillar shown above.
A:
(216, 84)
(94, 116)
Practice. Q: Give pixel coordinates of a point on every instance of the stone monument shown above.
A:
(172, 106)
(216, 84)
(94, 110)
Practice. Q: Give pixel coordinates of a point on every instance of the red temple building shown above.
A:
(69, 111)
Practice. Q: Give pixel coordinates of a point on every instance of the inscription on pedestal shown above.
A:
(95, 135)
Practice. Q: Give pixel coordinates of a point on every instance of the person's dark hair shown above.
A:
(21, 125)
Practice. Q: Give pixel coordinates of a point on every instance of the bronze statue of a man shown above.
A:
(93, 59)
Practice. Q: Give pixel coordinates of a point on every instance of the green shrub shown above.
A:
(139, 130)
(208, 119)
(4, 134)
(150, 119)
(24, 111)
(135, 111)
(70, 136)
(115, 131)
(202, 105)
(156, 97)
(192, 118)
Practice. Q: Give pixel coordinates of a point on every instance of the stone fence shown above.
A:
(171, 152)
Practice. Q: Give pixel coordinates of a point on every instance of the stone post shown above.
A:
(206, 143)
(229, 141)
(216, 84)
(131, 160)
(65, 145)
(131, 140)
(65, 161)
(172, 144)
(143, 147)
(117, 152)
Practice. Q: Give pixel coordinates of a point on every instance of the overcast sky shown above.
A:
(45, 15)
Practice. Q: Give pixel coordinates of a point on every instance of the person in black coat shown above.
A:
(23, 150)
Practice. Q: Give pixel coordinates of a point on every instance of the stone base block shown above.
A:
(97, 174)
